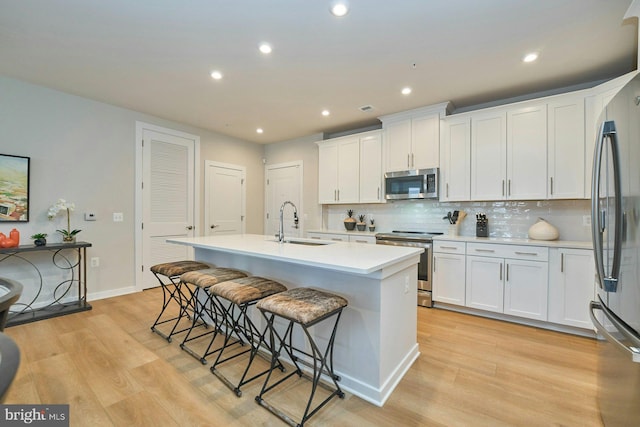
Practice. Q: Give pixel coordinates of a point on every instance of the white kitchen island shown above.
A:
(376, 342)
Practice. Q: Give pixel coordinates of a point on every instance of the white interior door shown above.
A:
(167, 198)
(224, 198)
(283, 182)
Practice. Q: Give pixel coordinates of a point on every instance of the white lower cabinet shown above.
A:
(525, 289)
(507, 279)
(485, 284)
(571, 286)
(448, 278)
(339, 237)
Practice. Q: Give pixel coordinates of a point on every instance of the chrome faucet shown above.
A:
(295, 220)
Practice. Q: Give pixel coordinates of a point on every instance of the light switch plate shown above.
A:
(118, 217)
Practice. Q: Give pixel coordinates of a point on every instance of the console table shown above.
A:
(68, 257)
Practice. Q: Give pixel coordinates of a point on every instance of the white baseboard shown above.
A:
(93, 296)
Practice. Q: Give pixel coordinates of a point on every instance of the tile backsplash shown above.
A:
(506, 218)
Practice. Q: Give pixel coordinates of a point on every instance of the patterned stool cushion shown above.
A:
(171, 269)
(211, 276)
(247, 289)
(303, 305)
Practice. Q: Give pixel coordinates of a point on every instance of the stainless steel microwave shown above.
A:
(412, 184)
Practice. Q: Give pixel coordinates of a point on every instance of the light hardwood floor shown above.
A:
(113, 371)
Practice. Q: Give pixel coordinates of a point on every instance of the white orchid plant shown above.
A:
(63, 205)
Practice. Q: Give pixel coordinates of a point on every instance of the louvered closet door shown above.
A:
(168, 205)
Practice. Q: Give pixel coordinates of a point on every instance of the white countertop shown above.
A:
(354, 258)
(571, 244)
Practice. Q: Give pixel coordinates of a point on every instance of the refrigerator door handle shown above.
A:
(634, 352)
(607, 280)
(596, 218)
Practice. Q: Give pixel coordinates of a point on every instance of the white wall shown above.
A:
(83, 151)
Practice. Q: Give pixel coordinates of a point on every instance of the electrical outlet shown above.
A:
(90, 216)
(586, 220)
(95, 261)
(118, 217)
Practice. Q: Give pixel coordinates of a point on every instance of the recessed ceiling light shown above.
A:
(216, 75)
(259, 130)
(530, 57)
(339, 9)
(406, 90)
(325, 113)
(265, 48)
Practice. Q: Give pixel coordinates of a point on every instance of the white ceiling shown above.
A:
(155, 56)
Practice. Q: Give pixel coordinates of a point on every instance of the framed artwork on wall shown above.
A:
(14, 188)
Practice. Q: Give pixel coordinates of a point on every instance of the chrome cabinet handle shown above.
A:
(408, 162)
(509, 187)
(412, 161)
(448, 247)
(485, 250)
(562, 262)
(526, 253)
(507, 272)
(434, 264)
(500, 271)
(552, 186)
(503, 187)
(447, 189)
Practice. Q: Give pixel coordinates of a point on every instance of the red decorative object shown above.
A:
(10, 242)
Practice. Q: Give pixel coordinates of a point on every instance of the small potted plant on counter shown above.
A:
(361, 224)
(372, 226)
(39, 239)
(350, 222)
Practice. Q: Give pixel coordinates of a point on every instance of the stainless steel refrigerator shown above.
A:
(615, 216)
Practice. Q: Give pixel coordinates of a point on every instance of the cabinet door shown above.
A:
(455, 162)
(328, 173)
(371, 169)
(398, 145)
(571, 286)
(349, 170)
(566, 148)
(485, 283)
(525, 289)
(425, 142)
(488, 156)
(448, 278)
(527, 153)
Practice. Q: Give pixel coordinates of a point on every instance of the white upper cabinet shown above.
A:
(412, 138)
(527, 153)
(489, 155)
(566, 144)
(455, 159)
(371, 168)
(350, 169)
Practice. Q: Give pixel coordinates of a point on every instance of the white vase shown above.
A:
(542, 230)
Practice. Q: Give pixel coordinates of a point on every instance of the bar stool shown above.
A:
(241, 295)
(305, 307)
(205, 309)
(168, 274)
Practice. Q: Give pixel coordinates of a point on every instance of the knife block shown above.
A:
(482, 228)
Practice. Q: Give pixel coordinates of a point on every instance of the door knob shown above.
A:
(213, 226)
(189, 227)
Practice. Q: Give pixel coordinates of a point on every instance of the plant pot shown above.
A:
(68, 239)
(350, 225)
(40, 242)
(372, 228)
(361, 226)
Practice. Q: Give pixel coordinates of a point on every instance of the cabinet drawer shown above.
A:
(449, 247)
(363, 239)
(533, 253)
(329, 236)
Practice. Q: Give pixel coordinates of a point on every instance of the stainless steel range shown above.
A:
(418, 239)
